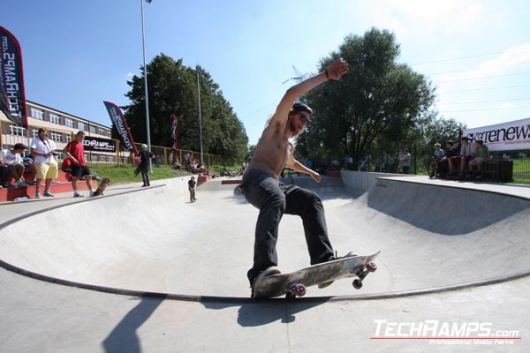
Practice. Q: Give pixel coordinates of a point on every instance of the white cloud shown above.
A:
(505, 63)
(406, 17)
(507, 60)
(507, 105)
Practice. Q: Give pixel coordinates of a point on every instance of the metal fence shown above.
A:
(420, 161)
(164, 155)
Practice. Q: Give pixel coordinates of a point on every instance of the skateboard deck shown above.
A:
(102, 186)
(294, 284)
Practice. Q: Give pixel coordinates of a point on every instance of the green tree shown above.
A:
(173, 89)
(379, 101)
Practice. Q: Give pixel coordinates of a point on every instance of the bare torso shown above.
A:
(273, 151)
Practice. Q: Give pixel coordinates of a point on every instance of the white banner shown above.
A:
(513, 135)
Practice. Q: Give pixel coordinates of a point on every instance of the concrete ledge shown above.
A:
(362, 181)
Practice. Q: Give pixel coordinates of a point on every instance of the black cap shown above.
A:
(301, 107)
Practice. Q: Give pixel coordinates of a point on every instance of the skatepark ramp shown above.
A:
(431, 236)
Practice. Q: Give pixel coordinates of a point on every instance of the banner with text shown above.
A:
(98, 144)
(12, 96)
(513, 135)
(119, 121)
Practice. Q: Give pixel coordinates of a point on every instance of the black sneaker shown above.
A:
(273, 270)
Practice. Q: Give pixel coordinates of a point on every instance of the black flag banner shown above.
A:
(120, 123)
(12, 97)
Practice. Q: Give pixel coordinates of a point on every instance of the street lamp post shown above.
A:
(200, 113)
(146, 90)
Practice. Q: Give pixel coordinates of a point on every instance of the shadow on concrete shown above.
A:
(124, 337)
(443, 210)
(265, 312)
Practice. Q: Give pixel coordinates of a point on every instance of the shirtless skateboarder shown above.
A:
(262, 188)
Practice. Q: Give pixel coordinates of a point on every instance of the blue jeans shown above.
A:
(4, 175)
(273, 199)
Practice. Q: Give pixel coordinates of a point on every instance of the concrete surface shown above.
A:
(465, 244)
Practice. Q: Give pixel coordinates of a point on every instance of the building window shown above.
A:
(69, 122)
(56, 137)
(92, 129)
(67, 138)
(35, 133)
(37, 114)
(55, 119)
(80, 126)
(17, 130)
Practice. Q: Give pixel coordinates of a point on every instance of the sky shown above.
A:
(476, 53)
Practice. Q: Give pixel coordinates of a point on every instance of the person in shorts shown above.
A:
(75, 150)
(480, 155)
(43, 151)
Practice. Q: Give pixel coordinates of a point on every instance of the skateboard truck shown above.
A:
(358, 282)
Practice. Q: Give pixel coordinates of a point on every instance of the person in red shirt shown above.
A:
(76, 152)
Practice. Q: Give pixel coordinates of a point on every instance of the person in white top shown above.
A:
(465, 155)
(43, 150)
(12, 160)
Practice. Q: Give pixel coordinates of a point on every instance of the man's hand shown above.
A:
(336, 70)
(316, 177)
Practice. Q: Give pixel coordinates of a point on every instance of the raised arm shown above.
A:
(334, 71)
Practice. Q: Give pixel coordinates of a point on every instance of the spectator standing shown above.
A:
(75, 150)
(43, 150)
(404, 161)
(192, 186)
(143, 166)
(13, 165)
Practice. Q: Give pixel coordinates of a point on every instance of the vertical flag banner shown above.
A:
(120, 122)
(12, 96)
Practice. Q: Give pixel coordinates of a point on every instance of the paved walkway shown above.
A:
(440, 246)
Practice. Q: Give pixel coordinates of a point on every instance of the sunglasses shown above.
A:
(303, 118)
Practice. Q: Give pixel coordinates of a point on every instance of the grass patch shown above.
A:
(124, 173)
(521, 181)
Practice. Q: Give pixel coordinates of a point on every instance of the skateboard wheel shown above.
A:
(371, 267)
(297, 289)
(357, 283)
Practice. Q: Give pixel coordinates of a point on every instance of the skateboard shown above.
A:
(294, 284)
(101, 188)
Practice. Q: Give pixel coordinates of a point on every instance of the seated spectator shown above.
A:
(30, 172)
(197, 167)
(4, 176)
(438, 154)
(176, 165)
(75, 151)
(480, 154)
(12, 160)
(451, 158)
(465, 155)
